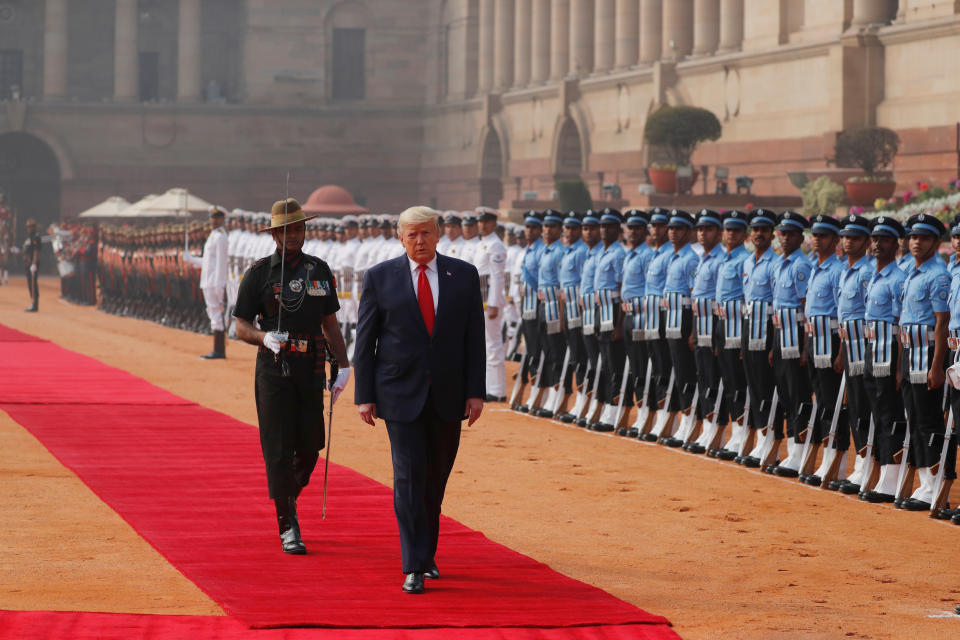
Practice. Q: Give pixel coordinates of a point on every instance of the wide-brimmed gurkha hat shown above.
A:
(286, 212)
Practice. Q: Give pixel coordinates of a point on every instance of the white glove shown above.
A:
(270, 342)
(343, 377)
(33, 268)
(953, 375)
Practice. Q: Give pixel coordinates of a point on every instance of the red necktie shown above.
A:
(425, 298)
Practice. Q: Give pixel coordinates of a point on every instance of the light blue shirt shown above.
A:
(705, 281)
(759, 275)
(589, 269)
(925, 292)
(609, 274)
(571, 266)
(793, 278)
(853, 289)
(548, 275)
(824, 286)
(635, 267)
(954, 300)
(906, 263)
(531, 263)
(884, 292)
(682, 270)
(730, 277)
(657, 271)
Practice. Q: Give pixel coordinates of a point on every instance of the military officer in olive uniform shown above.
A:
(290, 373)
(31, 258)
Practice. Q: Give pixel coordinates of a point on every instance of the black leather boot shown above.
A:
(219, 347)
(289, 527)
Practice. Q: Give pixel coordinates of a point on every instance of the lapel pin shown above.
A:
(448, 273)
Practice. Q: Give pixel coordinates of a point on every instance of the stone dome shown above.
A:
(331, 200)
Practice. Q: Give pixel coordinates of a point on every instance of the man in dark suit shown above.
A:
(420, 365)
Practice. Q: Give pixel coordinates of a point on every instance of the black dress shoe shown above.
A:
(413, 583)
(432, 573)
(834, 485)
(491, 398)
(912, 504)
(696, 448)
(522, 409)
(672, 442)
(751, 462)
(621, 432)
(601, 427)
(876, 497)
(814, 480)
(849, 488)
(632, 432)
(545, 413)
(214, 355)
(786, 472)
(31, 309)
(955, 520)
(580, 422)
(724, 454)
(898, 503)
(565, 418)
(649, 437)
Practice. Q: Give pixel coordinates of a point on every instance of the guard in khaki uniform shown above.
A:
(290, 373)
(490, 260)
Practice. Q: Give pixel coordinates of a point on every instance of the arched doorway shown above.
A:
(491, 171)
(29, 180)
(569, 151)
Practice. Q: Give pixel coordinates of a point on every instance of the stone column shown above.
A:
(55, 49)
(522, 43)
(581, 36)
(871, 12)
(731, 25)
(706, 27)
(559, 39)
(677, 29)
(188, 52)
(628, 28)
(125, 80)
(540, 41)
(651, 30)
(503, 45)
(604, 34)
(485, 47)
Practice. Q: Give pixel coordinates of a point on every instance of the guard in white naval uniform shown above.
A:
(471, 237)
(213, 280)
(451, 231)
(490, 260)
(347, 263)
(514, 288)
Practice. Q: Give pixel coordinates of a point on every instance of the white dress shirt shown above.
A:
(432, 278)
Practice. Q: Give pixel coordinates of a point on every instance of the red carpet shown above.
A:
(12, 335)
(191, 482)
(43, 625)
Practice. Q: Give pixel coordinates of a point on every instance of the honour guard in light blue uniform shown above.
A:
(529, 269)
(654, 314)
(571, 271)
(635, 265)
(884, 293)
(591, 343)
(923, 335)
(678, 325)
(730, 306)
(549, 307)
(607, 281)
(759, 274)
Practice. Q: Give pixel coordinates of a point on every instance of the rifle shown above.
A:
(829, 453)
(767, 447)
(557, 393)
(581, 402)
(905, 475)
(806, 460)
(623, 393)
(643, 411)
(832, 470)
(710, 427)
(746, 432)
(534, 398)
(517, 391)
(687, 422)
(870, 469)
(941, 487)
(663, 415)
(587, 418)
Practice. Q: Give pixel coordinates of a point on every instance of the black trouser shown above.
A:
(659, 353)
(793, 387)
(708, 379)
(730, 363)
(684, 365)
(578, 358)
(759, 375)
(886, 403)
(423, 453)
(531, 339)
(858, 414)
(826, 386)
(290, 415)
(33, 287)
(924, 408)
(614, 357)
(637, 353)
(554, 349)
(591, 347)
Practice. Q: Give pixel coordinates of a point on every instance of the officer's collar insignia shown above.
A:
(296, 286)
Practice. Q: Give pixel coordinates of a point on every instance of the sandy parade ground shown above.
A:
(720, 550)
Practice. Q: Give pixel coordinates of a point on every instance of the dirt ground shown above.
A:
(720, 550)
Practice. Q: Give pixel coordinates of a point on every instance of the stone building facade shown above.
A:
(452, 102)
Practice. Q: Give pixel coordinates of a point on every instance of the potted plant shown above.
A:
(871, 149)
(677, 131)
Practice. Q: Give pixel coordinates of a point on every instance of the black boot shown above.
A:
(219, 347)
(289, 527)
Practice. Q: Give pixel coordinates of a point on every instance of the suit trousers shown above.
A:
(423, 453)
(886, 404)
(33, 287)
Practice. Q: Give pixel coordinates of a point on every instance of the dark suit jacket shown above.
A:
(395, 360)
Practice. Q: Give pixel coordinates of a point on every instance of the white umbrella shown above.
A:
(175, 203)
(109, 208)
(133, 211)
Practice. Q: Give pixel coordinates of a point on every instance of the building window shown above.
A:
(349, 64)
(149, 76)
(11, 74)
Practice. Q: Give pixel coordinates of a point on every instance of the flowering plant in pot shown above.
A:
(872, 149)
(676, 131)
